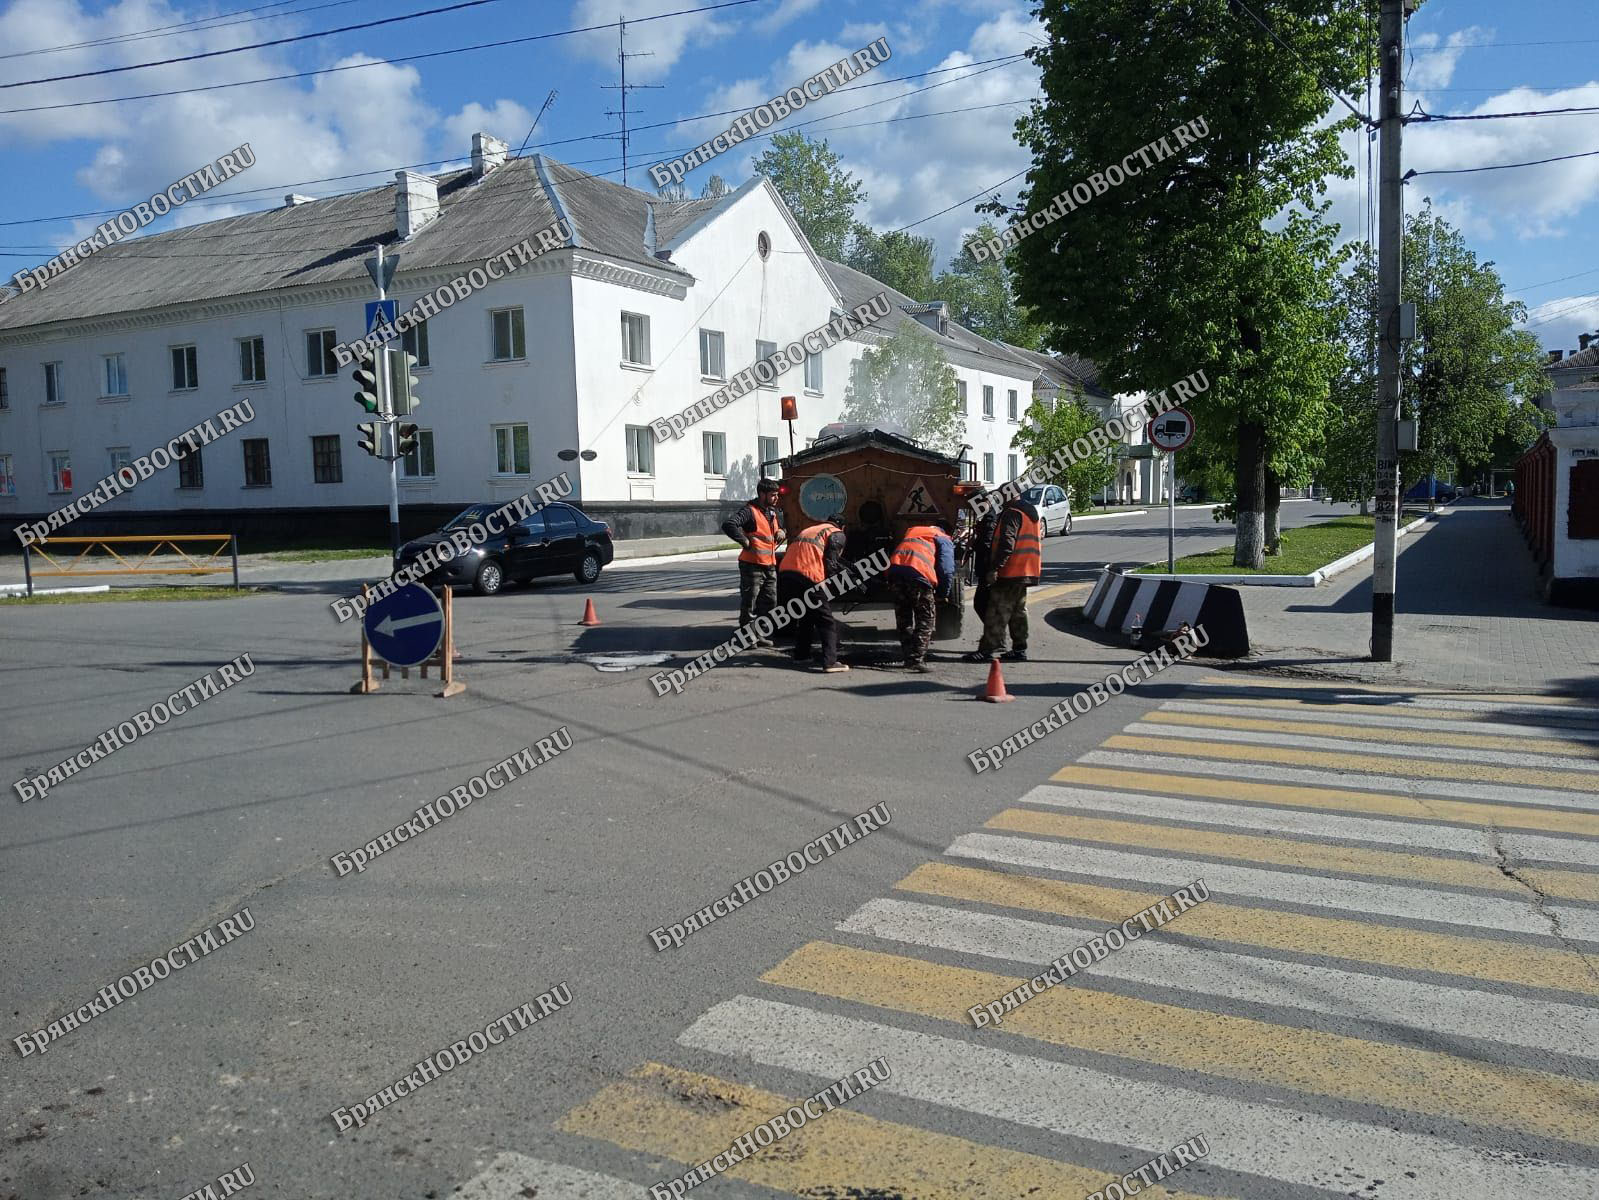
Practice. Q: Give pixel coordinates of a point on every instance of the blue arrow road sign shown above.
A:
(405, 627)
(380, 312)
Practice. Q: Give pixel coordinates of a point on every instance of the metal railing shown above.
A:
(98, 549)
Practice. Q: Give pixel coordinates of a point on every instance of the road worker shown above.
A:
(982, 539)
(814, 555)
(921, 571)
(758, 529)
(1014, 564)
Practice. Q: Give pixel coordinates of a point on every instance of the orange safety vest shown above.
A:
(807, 552)
(919, 551)
(1024, 561)
(762, 550)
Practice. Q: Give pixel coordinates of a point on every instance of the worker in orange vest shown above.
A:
(1014, 564)
(814, 555)
(920, 571)
(758, 529)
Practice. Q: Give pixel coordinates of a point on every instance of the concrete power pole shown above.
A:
(1390, 242)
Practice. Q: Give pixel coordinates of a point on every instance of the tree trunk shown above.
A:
(1365, 506)
(1250, 474)
(1274, 501)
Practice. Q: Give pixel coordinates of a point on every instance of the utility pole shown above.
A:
(1390, 244)
(624, 87)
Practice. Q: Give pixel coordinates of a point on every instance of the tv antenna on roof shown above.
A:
(543, 108)
(625, 87)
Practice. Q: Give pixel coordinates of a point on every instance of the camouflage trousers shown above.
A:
(915, 611)
(1006, 610)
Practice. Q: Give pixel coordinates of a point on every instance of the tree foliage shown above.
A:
(1045, 432)
(823, 196)
(901, 260)
(904, 382)
(982, 296)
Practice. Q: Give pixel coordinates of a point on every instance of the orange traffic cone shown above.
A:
(995, 692)
(590, 617)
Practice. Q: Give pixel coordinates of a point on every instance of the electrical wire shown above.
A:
(1325, 86)
(1421, 116)
(1536, 162)
(177, 29)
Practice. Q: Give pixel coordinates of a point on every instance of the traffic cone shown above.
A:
(590, 617)
(995, 692)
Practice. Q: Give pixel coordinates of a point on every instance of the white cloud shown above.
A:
(507, 120)
(665, 42)
(1435, 58)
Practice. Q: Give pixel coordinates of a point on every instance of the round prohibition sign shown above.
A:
(1172, 430)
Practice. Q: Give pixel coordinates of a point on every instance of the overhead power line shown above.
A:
(1536, 162)
(1422, 116)
(177, 29)
(1365, 120)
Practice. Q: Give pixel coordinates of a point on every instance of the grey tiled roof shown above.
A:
(1069, 369)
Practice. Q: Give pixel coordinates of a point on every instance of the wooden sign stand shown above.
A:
(443, 658)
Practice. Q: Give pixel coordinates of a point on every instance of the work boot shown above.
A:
(917, 667)
(977, 656)
(1017, 655)
(834, 669)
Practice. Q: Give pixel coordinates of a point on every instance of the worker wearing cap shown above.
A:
(758, 529)
(814, 555)
(920, 572)
(1014, 564)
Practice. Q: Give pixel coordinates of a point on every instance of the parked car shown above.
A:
(1054, 508)
(557, 539)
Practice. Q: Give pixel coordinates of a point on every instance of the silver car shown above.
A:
(1054, 508)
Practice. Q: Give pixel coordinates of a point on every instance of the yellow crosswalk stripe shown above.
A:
(1468, 812)
(1259, 682)
(689, 1118)
(1242, 1048)
(1371, 733)
(1372, 764)
(1240, 925)
(1281, 850)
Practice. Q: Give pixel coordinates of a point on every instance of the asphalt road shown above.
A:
(658, 808)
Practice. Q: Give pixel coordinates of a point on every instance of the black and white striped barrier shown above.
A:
(1119, 601)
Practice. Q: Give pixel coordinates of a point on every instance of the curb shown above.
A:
(1315, 578)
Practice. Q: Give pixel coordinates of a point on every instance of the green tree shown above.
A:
(904, 382)
(1191, 263)
(1043, 433)
(813, 183)
(715, 188)
(982, 296)
(901, 260)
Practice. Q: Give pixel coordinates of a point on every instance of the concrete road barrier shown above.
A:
(1165, 605)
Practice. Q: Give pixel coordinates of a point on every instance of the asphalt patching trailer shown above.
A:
(875, 478)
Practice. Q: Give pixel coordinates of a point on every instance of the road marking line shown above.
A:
(1319, 891)
(1439, 695)
(1429, 1007)
(1520, 742)
(1389, 832)
(1235, 923)
(1266, 1139)
(1037, 595)
(689, 1117)
(1240, 1048)
(1279, 850)
(1352, 714)
(512, 1176)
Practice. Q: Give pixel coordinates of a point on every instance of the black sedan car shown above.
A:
(556, 540)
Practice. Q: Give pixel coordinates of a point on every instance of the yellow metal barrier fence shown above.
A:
(193, 564)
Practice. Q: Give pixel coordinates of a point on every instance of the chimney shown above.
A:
(1582, 341)
(294, 199)
(416, 202)
(488, 152)
(1556, 355)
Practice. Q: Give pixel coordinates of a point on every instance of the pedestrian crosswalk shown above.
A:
(1392, 990)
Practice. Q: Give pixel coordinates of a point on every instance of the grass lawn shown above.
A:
(194, 592)
(1306, 549)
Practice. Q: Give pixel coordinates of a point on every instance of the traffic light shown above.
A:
(371, 439)
(368, 391)
(402, 383)
(407, 444)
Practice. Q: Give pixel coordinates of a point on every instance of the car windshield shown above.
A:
(1033, 495)
(468, 515)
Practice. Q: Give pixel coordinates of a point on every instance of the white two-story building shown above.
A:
(649, 306)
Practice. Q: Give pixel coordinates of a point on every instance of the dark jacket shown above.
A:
(1010, 524)
(982, 539)
(741, 524)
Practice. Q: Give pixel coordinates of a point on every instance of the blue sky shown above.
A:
(919, 148)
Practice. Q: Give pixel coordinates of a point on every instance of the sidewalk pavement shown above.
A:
(1469, 617)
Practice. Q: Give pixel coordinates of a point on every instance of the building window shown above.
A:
(640, 450)
(5, 390)
(319, 360)
(636, 339)
(116, 375)
(190, 472)
(8, 478)
(1010, 466)
(119, 456)
(715, 445)
(988, 468)
(252, 360)
(767, 449)
(60, 471)
(326, 466)
(1010, 407)
(414, 341)
(185, 368)
(510, 446)
(510, 339)
(988, 402)
(763, 351)
(813, 372)
(52, 383)
(713, 354)
(257, 463)
(418, 460)
(960, 396)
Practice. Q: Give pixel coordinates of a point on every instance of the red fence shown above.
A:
(1534, 501)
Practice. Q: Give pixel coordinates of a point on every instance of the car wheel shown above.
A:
(1043, 529)
(1068, 528)
(589, 569)
(490, 578)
